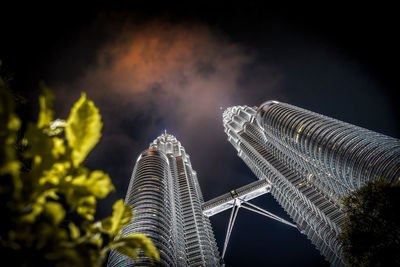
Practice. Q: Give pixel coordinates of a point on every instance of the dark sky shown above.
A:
(151, 67)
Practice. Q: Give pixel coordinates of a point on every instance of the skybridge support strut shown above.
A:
(265, 213)
(232, 219)
(238, 203)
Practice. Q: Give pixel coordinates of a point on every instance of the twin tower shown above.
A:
(307, 161)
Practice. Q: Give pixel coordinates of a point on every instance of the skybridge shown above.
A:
(238, 198)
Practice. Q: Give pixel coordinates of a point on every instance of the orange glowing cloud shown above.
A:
(187, 69)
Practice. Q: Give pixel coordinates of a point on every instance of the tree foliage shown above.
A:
(49, 197)
(371, 229)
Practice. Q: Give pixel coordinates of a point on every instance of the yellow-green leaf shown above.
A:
(46, 112)
(97, 240)
(11, 167)
(74, 231)
(37, 207)
(99, 184)
(87, 207)
(83, 129)
(57, 172)
(39, 147)
(121, 216)
(54, 211)
(128, 246)
(128, 251)
(58, 147)
(14, 123)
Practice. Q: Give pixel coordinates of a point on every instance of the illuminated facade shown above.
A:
(166, 198)
(311, 161)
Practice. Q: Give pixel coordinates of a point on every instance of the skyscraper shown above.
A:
(166, 198)
(311, 161)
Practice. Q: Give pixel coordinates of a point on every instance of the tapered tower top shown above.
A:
(168, 144)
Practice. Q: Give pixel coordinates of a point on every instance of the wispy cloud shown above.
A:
(187, 71)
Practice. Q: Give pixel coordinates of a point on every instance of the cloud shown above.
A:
(185, 71)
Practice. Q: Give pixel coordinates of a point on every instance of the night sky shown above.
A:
(177, 67)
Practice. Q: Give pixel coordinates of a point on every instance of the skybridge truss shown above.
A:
(239, 198)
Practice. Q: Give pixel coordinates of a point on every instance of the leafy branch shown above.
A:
(50, 196)
(371, 232)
